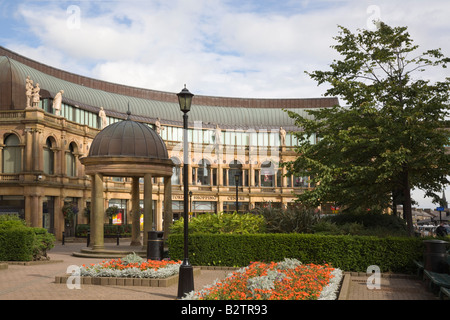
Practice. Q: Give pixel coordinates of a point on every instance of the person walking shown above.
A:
(441, 231)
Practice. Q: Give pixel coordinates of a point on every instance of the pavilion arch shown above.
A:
(128, 149)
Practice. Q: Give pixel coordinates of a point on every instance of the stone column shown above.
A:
(168, 214)
(97, 212)
(135, 213)
(251, 175)
(148, 209)
(28, 150)
(34, 210)
(36, 161)
(28, 207)
(158, 212)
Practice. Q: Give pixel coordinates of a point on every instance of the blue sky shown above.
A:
(259, 48)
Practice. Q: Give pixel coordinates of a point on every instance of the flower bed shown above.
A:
(285, 280)
(132, 266)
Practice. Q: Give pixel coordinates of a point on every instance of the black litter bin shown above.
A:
(435, 256)
(155, 245)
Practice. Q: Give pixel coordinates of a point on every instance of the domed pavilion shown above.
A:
(128, 149)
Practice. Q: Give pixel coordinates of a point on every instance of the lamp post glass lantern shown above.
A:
(186, 274)
(185, 99)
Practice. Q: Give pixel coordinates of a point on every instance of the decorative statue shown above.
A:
(103, 119)
(57, 102)
(36, 96)
(283, 136)
(29, 91)
(217, 135)
(158, 126)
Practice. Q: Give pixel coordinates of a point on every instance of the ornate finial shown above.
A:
(129, 112)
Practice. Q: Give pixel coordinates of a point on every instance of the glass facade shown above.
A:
(213, 180)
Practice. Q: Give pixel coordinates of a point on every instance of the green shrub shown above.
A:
(16, 243)
(295, 219)
(43, 243)
(9, 216)
(370, 220)
(368, 224)
(21, 243)
(222, 223)
(349, 253)
(8, 224)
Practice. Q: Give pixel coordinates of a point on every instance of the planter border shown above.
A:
(121, 281)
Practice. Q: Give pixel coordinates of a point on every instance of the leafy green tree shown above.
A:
(390, 135)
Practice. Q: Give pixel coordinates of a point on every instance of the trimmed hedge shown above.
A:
(349, 253)
(17, 243)
(21, 243)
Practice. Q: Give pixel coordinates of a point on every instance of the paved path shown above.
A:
(32, 282)
(37, 282)
(393, 287)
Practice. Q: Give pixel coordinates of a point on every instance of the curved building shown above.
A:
(50, 117)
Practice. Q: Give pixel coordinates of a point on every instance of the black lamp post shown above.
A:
(236, 180)
(190, 202)
(186, 275)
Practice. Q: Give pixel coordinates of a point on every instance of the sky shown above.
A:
(231, 48)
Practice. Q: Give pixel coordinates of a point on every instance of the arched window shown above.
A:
(49, 157)
(235, 170)
(267, 174)
(204, 173)
(71, 167)
(176, 171)
(12, 155)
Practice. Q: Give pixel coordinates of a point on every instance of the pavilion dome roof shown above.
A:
(128, 138)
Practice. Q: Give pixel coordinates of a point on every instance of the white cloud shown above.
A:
(212, 45)
(216, 47)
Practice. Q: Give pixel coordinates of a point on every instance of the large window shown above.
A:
(203, 173)
(176, 171)
(121, 216)
(268, 174)
(71, 168)
(12, 155)
(236, 170)
(49, 157)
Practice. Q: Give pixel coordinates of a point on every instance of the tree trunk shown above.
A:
(407, 209)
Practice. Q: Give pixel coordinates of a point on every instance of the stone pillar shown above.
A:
(28, 150)
(168, 214)
(251, 175)
(35, 151)
(34, 210)
(158, 213)
(148, 206)
(28, 208)
(97, 212)
(135, 213)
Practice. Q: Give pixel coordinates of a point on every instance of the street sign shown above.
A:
(440, 209)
